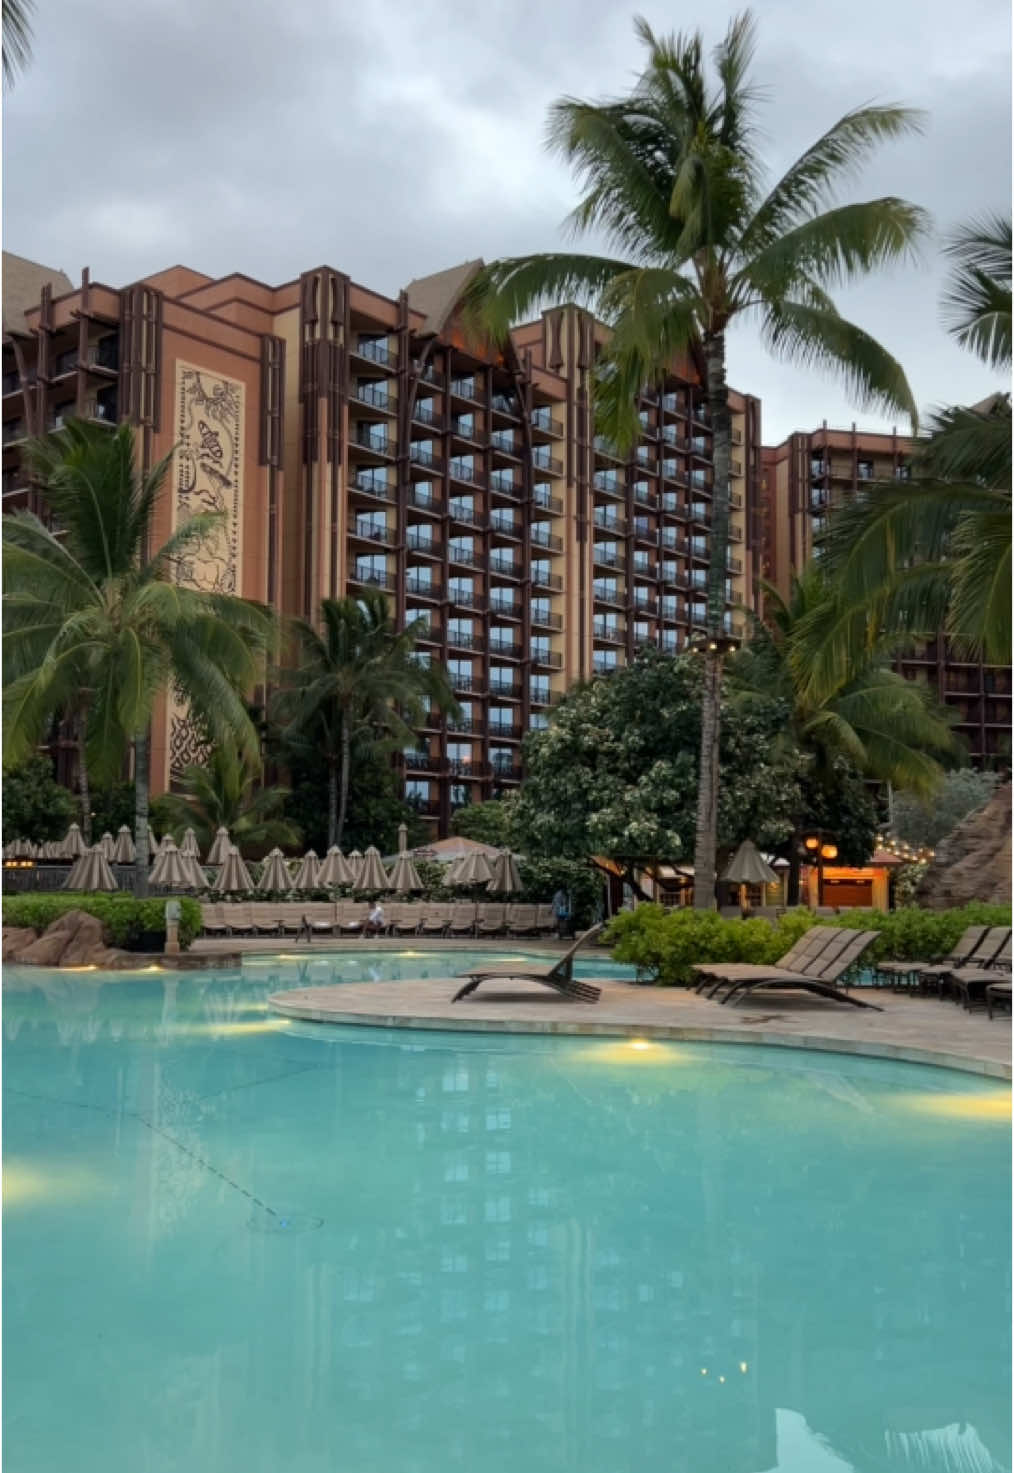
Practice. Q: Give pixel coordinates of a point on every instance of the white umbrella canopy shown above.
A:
(234, 876)
(355, 863)
(196, 878)
(91, 872)
(450, 874)
(506, 877)
(404, 876)
(220, 847)
(402, 838)
(73, 845)
(372, 874)
(308, 873)
(748, 867)
(275, 874)
(108, 845)
(474, 869)
(190, 845)
(169, 872)
(124, 851)
(335, 870)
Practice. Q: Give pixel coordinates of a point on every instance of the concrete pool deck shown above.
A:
(917, 1030)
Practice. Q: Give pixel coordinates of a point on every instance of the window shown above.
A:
(605, 625)
(670, 570)
(504, 440)
(421, 657)
(540, 608)
(542, 493)
(461, 549)
(463, 507)
(501, 637)
(423, 493)
(413, 615)
(501, 718)
(420, 579)
(605, 588)
(501, 759)
(371, 524)
(540, 568)
(540, 647)
(373, 435)
(463, 722)
(865, 469)
(374, 348)
(463, 466)
(460, 673)
(371, 567)
(464, 424)
(538, 686)
(642, 631)
(461, 590)
(699, 546)
(538, 721)
(460, 631)
(501, 679)
(460, 752)
(424, 411)
(605, 660)
(463, 387)
(417, 792)
(504, 481)
(642, 561)
(607, 552)
(459, 795)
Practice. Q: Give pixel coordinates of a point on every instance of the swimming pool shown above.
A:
(235, 1242)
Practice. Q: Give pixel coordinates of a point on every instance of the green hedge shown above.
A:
(123, 917)
(664, 944)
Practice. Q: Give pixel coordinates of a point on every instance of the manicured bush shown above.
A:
(124, 917)
(664, 944)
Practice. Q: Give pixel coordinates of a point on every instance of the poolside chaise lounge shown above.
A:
(522, 920)
(462, 922)
(267, 920)
(998, 997)
(352, 915)
(935, 976)
(405, 921)
(435, 919)
(819, 973)
(560, 976)
(914, 971)
(805, 949)
(545, 920)
(969, 984)
(490, 919)
(213, 923)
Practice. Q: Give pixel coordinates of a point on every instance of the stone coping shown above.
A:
(912, 1030)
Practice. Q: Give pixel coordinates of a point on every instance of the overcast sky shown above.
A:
(392, 138)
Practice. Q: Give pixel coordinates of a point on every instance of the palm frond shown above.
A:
(17, 37)
(836, 247)
(979, 617)
(505, 292)
(977, 301)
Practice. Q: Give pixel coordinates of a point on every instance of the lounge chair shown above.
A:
(239, 918)
(406, 923)
(318, 919)
(352, 915)
(435, 919)
(560, 976)
(490, 920)
(545, 920)
(266, 919)
(969, 983)
(462, 922)
(212, 921)
(292, 917)
(923, 973)
(521, 920)
(824, 969)
(800, 954)
(992, 949)
(998, 997)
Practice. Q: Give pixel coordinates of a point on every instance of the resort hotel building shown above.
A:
(359, 441)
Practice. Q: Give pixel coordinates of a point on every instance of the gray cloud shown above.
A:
(394, 137)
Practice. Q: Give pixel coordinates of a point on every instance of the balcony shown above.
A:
(421, 762)
(541, 538)
(505, 567)
(506, 404)
(504, 524)
(603, 666)
(734, 564)
(735, 534)
(543, 695)
(420, 539)
(372, 578)
(466, 725)
(375, 350)
(427, 807)
(504, 608)
(464, 598)
(505, 690)
(609, 482)
(431, 375)
(505, 442)
(606, 447)
(471, 474)
(465, 557)
(505, 649)
(373, 485)
(464, 388)
(462, 428)
(645, 530)
(543, 461)
(543, 420)
(376, 395)
(819, 500)
(673, 403)
(506, 483)
(508, 730)
(461, 682)
(549, 503)
(701, 413)
(644, 607)
(544, 619)
(422, 588)
(465, 767)
(552, 658)
(66, 363)
(460, 640)
(464, 512)
(736, 500)
(373, 532)
(421, 498)
(424, 415)
(608, 633)
(375, 438)
(608, 521)
(700, 514)
(543, 579)
(420, 456)
(507, 772)
(604, 594)
(737, 436)
(606, 557)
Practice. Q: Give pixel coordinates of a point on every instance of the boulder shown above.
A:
(72, 940)
(15, 939)
(973, 862)
(84, 942)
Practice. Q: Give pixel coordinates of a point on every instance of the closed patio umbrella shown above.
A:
(196, 878)
(190, 845)
(169, 870)
(307, 875)
(450, 874)
(404, 877)
(73, 845)
(402, 838)
(275, 874)
(355, 863)
(372, 875)
(108, 845)
(335, 870)
(234, 876)
(124, 852)
(220, 847)
(11, 849)
(748, 867)
(473, 870)
(91, 872)
(506, 877)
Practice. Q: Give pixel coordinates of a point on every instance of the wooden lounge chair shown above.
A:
(521, 920)
(266, 919)
(822, 976)
(318, 919)
(490, 920)
(545, 920)
(969, 984)
(998, 997)
(435, 919)
(560, 976)
(925, 974)
(462, 922)
(212, 921)
(352, 915)
(239, 918)
(292, 917)
(806, 949)
(406, 923)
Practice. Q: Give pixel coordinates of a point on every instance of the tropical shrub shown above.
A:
(124, 917)
(664, 944)
(35, 805)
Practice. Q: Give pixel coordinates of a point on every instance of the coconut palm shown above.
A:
(356, 677)
(17, 37)
(224, 793)
(95, 621)
(674, 178)
(934, 553)
(872, 720)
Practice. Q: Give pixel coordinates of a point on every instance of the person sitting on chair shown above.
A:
(375, 922)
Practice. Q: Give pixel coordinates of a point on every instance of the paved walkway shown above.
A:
(922, 1030)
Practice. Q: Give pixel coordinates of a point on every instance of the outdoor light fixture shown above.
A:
(811, 842)
(829, 851)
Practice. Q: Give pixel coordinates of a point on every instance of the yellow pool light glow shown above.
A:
(24, 1184)
(994, 1105)
(640, 1044)
(232, 1030)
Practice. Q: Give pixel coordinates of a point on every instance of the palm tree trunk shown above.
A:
(83, 785)
(706, 829)
(345, 772)
(332, 802)
(142, 788)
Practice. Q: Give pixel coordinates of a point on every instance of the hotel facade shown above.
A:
(357, 441)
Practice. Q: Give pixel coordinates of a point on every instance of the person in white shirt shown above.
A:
(375, 922)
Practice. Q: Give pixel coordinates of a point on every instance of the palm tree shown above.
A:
(357, 677)
(96, 624)
(17, 37)
(224, 793)
(934, 553)
(872, 720)
(674, 178)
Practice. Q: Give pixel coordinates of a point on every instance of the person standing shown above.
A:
(561, 911)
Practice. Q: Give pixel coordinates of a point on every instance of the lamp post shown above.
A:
(818, 847)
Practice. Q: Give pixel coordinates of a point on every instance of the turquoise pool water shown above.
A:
(234, 1242)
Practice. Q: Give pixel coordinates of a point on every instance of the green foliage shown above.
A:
(35, 806)
(124, 918)
(664, 944)
(924, 824)
(487, 823)
(112, 807)
(541, 878)
(224, 792)
(375, 805)
(616, 772)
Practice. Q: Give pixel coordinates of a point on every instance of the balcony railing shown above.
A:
(463, 388)
(610, 523)
(505, 649)
(542, 419)
(545, 579)
(372, 577)
(606, 447)
(417, 541)
(420, 588)
(546, 539)
(372, 532)
(424, 500)
(375, 350)
(459, 640)
(608, 633)
(466, 556)
(608, 481)
(505, 441)
(506, 482)
(373, 485)
(552, 658)
(546, 502)
(374, 438)
(505, 566)
(504, 523)
(424, 415)
(506, 404)
(505, 608)
(607, 557)
(374, 394)
(421, 456)
(546, 620)
(543, 461)
(464, 598)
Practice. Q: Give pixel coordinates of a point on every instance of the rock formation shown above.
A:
(973, 862)
(75, 939)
